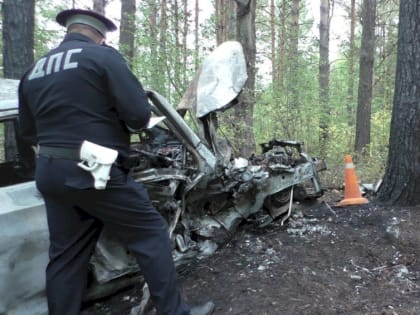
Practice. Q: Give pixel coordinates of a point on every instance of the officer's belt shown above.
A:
(74, 154)
(60, 153)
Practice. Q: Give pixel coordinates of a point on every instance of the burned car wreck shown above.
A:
(194, 180)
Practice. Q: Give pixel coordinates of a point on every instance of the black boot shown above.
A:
(203, 309)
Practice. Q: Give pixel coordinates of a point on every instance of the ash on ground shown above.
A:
(322, 260)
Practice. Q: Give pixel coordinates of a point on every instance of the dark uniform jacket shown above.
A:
(81, 91)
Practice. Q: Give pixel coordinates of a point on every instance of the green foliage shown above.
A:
(159, 64)
(343, 106)
(158, 59)
(271, 117)
(47, 32)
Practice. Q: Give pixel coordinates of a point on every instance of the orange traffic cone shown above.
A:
(352, 195)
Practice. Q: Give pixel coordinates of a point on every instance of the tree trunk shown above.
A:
(282, 46)
(156, 80)
(177, 64)
(225, 20)
(231, 20)
(324, 74)
(228, 119)
(163, 51)
(219, 21)
(196, 35)
(401, 183)
(350, 91)
(364, 99)
(128, 29)
(244, 135)
(18, 46)
(293, 105)
(274, 76)
(99, 6)
(185, 31)
(18, 36)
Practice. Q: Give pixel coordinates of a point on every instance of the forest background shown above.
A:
(337, 102)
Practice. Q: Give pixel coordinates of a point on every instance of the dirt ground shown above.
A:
(323, 260)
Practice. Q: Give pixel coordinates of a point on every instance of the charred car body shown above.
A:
(194, 180)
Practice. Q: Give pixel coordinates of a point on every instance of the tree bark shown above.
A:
(219, 6)
(231, 20)
(274, 76)
(163, 51)
(324, 74)
(282, 45)
(99, 6)
(401, 183)
(225, 20)
(128, 29)
(293, 118)
(196, 35)
(184, 52)
(244, 135)
(177, 64)
(350, 91)
(156, 80)
(18, 47)
(18, 38)
(364, 99)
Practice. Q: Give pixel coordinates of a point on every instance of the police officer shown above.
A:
(83, 90)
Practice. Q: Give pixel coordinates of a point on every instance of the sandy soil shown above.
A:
(323, 260)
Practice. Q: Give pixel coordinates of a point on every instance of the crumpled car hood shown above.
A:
(219, 80)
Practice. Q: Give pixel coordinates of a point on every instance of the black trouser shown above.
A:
(76, 214)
